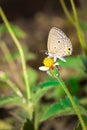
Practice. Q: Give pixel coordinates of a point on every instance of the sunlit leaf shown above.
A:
(43, 88)
(10, 100)
(72, 62)
(63, 108)
(49, 83)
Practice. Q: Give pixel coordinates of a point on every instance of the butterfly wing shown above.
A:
(57, 43)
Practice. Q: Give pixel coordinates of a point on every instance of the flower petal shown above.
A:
(43, 68)
(62, 58)
(56, 64)
(55, 58)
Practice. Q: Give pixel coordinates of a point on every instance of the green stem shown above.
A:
(72, 101)
(20, 51)
(79, 31)
(76, 24)
(66, 11)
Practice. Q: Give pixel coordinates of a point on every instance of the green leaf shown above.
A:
(74, 85)
(28, 125)
(49, 83)
(10, 100)
(43, 88)
(72, 62)
(17, 31)
(64, 107)
(56, 93)
(73, 82)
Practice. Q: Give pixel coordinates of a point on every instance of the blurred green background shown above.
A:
(31, 21)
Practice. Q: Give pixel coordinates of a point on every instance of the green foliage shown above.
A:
(10, 100)
(78, 63)
(42, 88)
(73, 82)
(48, 83)
(17, 31)
(64, 107)
(56, 93)
(72, 62)
(32, 103)
(84, 101)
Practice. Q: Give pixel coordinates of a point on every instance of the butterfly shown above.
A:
(58, 44)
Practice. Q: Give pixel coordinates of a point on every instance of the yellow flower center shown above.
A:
(48, 62)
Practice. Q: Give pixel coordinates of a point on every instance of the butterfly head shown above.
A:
(68, 47)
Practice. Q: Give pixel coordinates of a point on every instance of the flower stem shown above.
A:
(20, 51)
(79, 30)
(66, 11)
(72, 101)
(75, 22)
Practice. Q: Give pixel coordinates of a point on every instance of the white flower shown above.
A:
(49, 64)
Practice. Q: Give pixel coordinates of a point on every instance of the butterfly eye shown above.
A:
(69, 48)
